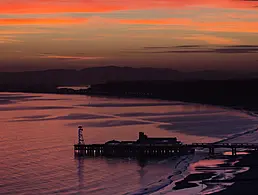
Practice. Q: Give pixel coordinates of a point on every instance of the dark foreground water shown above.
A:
(38, 132)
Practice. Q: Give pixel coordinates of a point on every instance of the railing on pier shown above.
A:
(132, 150)
(150, 147)
(156, 149)
(225, 145)
(232, 146)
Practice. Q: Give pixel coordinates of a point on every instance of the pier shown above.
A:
(150, 147)
(232, 146)
(131, 150)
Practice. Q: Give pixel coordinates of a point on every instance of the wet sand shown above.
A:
(246, 182)
(220, 176)
(189, 181)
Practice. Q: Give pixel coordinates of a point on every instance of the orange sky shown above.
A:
(193, 34)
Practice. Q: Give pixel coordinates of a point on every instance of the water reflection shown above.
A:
(38, 159)
(104, 174)
(80, 172)
(142, 162)
(229, 153)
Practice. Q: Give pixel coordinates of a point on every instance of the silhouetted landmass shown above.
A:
(209, 87)
(188, 182)
(241, 94)
(246, 182)
(206, 87)
(48, 80)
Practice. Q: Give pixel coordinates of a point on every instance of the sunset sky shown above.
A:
(183, 35)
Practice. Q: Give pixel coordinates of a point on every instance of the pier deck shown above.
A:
(154, 150)
(133, 150)
(150, 147)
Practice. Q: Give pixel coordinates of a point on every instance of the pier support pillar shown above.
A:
(211, 151)
(234, 152)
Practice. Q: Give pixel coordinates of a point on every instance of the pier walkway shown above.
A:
(131, 150)
(154, 150)
(232, 146)
(151, 147)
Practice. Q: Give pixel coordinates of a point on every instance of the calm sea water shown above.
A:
(38, 132)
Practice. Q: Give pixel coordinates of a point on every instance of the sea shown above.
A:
(38, 131)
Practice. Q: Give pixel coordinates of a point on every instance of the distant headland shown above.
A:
(236, 90)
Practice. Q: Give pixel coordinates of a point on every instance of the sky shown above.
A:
(183, 35)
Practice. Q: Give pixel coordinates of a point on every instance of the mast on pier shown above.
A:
(80, 136)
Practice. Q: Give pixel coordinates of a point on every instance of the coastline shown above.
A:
(246, 182)
(247, 179)
(122, 93)
(248, 110)
(241, 181)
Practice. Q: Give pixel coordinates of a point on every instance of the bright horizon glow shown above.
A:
(183, 35)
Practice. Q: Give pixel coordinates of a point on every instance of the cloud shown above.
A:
(212, 39)
(77, 39)
(60, 57)
(173, 47)
(189, 24)
(164, 21)
(40, 21)
(183, 51)
(130, 24)
(99, 6)
(67, 39)
(9, 39)
(237, 50)
(245, 46)
(236, 26)
(19, 13)
(21, 32)
(57, 6)
(188, 46)
(230, 49)
(240, 15)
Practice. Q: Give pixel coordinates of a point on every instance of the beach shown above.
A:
(112, 118)
(246, 182)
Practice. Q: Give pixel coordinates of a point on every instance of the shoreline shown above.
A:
(240, 180)
(216, 178)
(246, 182)
(243, 108)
